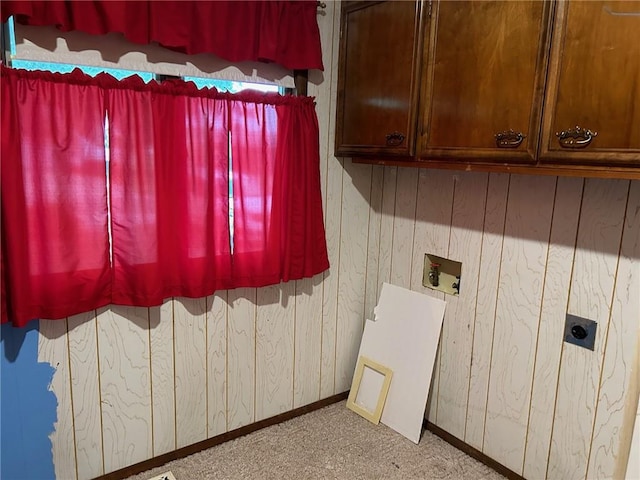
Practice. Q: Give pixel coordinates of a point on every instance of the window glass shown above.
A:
(230, 85)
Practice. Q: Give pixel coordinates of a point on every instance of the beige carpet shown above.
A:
(331, 443)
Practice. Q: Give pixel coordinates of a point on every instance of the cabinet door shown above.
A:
(483, 85)
(377, 83)
(592, 108)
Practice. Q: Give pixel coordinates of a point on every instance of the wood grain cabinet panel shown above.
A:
(377, 82)
(534, 87)
(485, 72)
(593, 95)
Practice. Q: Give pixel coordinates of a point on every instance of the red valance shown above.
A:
(280, 31)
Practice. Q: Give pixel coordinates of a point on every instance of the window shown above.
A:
(129, 194)
(221, 85)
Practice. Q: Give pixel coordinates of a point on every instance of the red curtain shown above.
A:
(146, 214)
(55, 241)
(281, 31)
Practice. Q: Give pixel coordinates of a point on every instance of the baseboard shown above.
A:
(217, 440)
(472, 452)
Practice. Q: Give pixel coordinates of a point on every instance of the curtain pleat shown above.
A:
(187, 192)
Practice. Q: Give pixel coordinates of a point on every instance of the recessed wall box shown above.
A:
(441, 274)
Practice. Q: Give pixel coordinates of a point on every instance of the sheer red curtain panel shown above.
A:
(55, 243)
(127, 193)
(281, 31)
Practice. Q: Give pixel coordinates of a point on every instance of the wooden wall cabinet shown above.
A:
(482, 82)
(592, 100)
(530, 86)
(378, 78)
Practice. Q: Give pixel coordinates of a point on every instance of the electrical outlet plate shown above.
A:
(449, 274)
(580, 331)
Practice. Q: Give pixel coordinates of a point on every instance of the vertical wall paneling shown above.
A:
(405, 217)
(522, 269)
(373, 244)
(332, 210)
(618, 388)
(631, 471)
(190, 340)
(457, 330)
(83, 359)
(308, 311)
(217, 364)
(307, 341)
(488, 276)
(353, 257)
(592, 282)
(389, 186)
(564, 229)
(163, 386)
(275, 317)
(403, 229)
(431, 235)
(125, 385)
(241, 355)
(53, 349)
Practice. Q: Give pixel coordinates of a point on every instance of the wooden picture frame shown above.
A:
(372, 416)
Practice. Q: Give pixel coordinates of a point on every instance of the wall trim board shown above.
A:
(471, 451)
(218, 439)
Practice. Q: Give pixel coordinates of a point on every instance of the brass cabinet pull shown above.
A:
(509, 139)
(394, 139)
(575, 137)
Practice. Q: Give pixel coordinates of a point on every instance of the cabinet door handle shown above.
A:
(394, 139)
(575, 137)
(509, 139)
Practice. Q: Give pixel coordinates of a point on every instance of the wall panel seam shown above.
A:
(535, 348)
(495, 310)
(73, 414)
(606, 335)
(573, 262)
(475, 308)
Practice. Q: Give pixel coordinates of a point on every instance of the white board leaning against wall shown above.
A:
(404, 338)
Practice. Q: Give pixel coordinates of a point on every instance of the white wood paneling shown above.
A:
(83, 356)
(241, 357)
(389, 185)
(353, 256)
(488, 276)
(308, 341)
(457, 330)
(332, 194)
(632, 469)
(217, 363)
(275, 320)
(592, 282)
(551, 330)
(190, 340)
(522, 269)
(163, 390)
(330, 285)
(403, 228)
(53, 348)
(373, 241)
(431, 235)
(125, 385)
(620, 373)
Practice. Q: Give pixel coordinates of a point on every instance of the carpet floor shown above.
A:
(330, 443)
